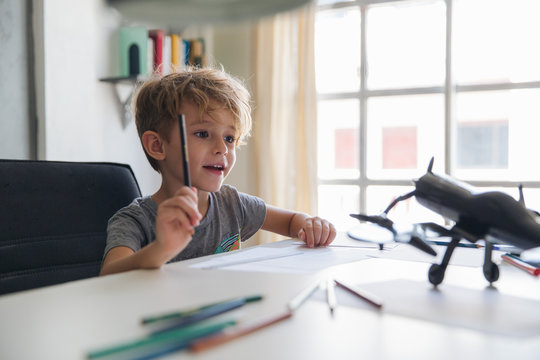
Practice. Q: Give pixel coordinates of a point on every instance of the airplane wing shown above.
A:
(436, 228)
(371, 232)
(380, 229)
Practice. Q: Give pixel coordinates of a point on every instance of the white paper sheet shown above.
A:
(248, 256)
(461, 256)
(484, 310)
(292, 257)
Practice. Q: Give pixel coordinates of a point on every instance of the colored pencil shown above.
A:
(299, 299)
(331, 295)
(446, 243)
(369, 298)
(172, 340)
(175, 315)
(501, 247)
(237, 331)
(205, 313)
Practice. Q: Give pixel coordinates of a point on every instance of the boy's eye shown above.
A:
(201, 134)
(230, 139)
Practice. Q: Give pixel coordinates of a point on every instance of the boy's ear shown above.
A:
(153, 145)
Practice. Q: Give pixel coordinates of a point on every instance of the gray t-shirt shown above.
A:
(232, 217)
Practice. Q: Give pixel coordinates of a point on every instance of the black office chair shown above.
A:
(53, 219)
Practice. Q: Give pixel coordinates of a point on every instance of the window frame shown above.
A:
(449, 90)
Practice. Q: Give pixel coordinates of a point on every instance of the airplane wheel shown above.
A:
(436, 274)
(492, 274)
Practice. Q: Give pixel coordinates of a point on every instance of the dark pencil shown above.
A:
(372, 299)
(204, 314)
(175, 315)
(183, 142)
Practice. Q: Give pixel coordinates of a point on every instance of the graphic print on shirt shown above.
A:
(229, 244)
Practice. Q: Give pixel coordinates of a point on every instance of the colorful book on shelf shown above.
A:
(186, 51)
(133, 50)
(158, 37)
(150, 56)
(196, 53)
(177, 62)
(167, 55)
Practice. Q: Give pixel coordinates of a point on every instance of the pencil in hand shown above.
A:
(183, 143)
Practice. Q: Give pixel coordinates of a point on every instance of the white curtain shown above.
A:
(285, 112)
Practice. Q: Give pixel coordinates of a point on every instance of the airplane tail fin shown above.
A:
(521, 197)
(430, 166)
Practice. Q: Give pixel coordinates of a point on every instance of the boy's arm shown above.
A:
(122, 258)
(314, 231)
(175, 221)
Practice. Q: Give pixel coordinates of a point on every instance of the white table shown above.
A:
(68, 320)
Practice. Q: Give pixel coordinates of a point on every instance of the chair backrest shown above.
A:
(53, 219)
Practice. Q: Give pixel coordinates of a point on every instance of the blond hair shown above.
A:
(159, 99)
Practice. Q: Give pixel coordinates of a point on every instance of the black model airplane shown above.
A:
(493, 216)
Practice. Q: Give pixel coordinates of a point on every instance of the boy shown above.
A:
(179, 222)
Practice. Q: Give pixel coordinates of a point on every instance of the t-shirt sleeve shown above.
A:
(124, 229)
(254, 211)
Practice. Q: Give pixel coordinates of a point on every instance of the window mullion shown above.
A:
(363, 111)
(449, 150)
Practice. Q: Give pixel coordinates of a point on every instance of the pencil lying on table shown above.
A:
(331, 295)
(237, 331)
(299, 299)
(153, 345)
(369, 298)
(175, 315)
(203, 313)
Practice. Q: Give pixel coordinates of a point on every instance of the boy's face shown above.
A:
(211, 141)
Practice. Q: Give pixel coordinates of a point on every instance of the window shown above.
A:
(402, 81)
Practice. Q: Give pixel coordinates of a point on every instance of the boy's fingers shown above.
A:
(325, 232)
(317, 231)
(183, 206)
(308, 229)
(331, 236)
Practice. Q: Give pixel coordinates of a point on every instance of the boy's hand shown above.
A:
(175, 221)
(317, 232)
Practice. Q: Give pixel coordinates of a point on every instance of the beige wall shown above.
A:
(79, 118)
(233, 48)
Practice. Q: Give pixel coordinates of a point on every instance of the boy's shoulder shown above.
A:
(226, 189)
(141, 206)
(228, 193)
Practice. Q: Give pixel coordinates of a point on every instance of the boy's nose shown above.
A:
(220, 147)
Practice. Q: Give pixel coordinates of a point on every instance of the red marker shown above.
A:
(517, 262)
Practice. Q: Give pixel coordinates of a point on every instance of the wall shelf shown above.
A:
(125, 104)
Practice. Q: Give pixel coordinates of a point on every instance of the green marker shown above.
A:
(177, 315)
(158, 344)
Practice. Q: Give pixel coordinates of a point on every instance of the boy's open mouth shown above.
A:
(214, 167)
